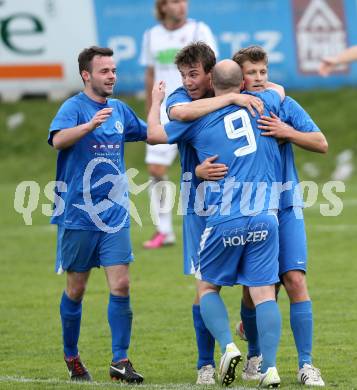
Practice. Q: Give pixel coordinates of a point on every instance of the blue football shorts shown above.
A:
(193, 226)
(81, 250)
(240, 251)
(292, 240)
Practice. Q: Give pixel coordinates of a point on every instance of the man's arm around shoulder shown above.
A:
(277, 88)
(198, 108)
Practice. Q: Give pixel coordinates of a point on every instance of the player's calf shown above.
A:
(240, 331)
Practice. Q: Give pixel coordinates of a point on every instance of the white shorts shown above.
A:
(162, 154)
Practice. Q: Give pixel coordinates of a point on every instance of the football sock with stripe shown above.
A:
(269, 330)
(301, 323)
(71, 313)
(215, 316)
(120, 319)
(249, 320)
(205, 341)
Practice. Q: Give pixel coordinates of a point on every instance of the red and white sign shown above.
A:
(320, 30)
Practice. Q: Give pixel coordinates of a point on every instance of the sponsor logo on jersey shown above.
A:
(105, 146)
(166, 57)
(119, 126)
(242, 239)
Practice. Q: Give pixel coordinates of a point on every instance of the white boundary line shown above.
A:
(53, 381)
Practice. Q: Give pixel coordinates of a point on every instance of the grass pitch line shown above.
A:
(164, 386)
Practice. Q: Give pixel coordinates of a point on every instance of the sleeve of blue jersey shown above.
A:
(272, 100)
(270, 97)
(178, 131)
(135, 128)
(178, 96)
(66, 117)
(292, 113)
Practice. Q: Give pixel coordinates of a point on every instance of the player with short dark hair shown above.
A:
(89, 131)
(252, 54)
(222, 260)
(159, 48)
(86, 56)
(195, 53)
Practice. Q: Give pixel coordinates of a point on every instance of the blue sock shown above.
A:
(71, 313)
(269, 330)
(205, 341)
(302, 324)
(215, 316)
(249, 320)
(120, 318)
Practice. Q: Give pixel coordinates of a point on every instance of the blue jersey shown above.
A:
(253, 161)
(95, 189)
(294, 115)
(188, 156)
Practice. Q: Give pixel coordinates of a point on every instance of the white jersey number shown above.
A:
(245, 130)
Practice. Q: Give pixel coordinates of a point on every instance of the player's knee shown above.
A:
(76, 292)
(294, 281)
(206, 288)
(121, 286)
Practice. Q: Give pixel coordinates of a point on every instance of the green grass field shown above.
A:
(163, 344)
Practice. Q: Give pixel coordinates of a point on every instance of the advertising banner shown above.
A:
(39, 45)
(295, 33)
(40, 39)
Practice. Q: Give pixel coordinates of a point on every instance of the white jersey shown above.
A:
(160, 46)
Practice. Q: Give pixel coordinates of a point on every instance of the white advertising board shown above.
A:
(39, 44)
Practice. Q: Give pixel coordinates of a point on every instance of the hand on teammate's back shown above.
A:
(209, 170)
(272, 126)
(250, 102)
